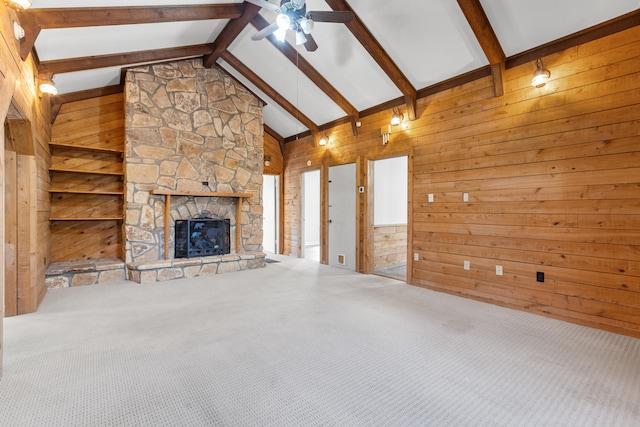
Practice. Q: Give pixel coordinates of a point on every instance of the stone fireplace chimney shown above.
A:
(190, 130)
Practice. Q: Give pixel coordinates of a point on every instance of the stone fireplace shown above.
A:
(193, 144)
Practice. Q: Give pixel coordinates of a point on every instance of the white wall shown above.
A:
(390, 178)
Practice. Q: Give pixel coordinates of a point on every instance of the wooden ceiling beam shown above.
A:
(481, 27)
(101, 16)
(308, 70)
(35, 20)
(382, 58)
(230, 32)
(117, 59)
(240, 67)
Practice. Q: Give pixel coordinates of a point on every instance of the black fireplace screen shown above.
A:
(202, 237)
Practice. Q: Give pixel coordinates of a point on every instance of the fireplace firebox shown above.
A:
(202, 237)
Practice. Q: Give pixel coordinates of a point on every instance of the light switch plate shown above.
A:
(465, 197)
(467, 265)
(430, 198)
(416, 257)
(498, 270)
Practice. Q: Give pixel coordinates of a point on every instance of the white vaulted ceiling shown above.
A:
(429, 41)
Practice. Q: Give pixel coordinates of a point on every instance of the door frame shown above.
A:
(368, 219)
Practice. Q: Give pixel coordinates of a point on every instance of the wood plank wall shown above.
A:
(88, 138)
(389, 246)
(20, 102)
(553, 177)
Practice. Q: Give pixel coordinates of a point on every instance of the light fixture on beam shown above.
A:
(18, 31)
(47, 86)
(18, 5)
(323, 140)
(541, 75)
(397, 117)
(267, 160)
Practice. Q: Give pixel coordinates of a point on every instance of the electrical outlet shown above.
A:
(540, 276)
(430, 198)
(416, 257)
(465, 197)
(467, 265)
(498, 270)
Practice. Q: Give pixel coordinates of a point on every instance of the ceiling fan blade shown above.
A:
(265, 4)
(310, 44)
(266, 31)
(337, 16)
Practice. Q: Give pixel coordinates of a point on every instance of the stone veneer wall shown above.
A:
(184, 125)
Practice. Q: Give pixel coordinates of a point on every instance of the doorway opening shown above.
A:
(310, 228)
(390, 212)
(271, 214)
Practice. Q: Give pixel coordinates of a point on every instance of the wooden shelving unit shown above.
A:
(86, 171)
(167, 211)
(87, 148)
(95, 218)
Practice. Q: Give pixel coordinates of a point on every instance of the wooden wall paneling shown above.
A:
(324, 214)
(28, 291)
(272, 149)
(90, 183)
(410, 218)
(78, 240)
(10, 233)
(369, 219)
(553, 180)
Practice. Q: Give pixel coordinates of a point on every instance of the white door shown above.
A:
(342, 216)
(270, 203)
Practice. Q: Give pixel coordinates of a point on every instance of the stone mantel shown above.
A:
(167, 210)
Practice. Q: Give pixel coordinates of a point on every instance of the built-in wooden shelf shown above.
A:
(91, 172)
(92, 218)
(91, 149)
(98, 192)
(167, 211)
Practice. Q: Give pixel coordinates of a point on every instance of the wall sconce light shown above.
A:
(18, 5)
(267, 160)
(18, 31)
(541, 75)
(47, 86)
(397, 117)
(385, 131)
(323, 140)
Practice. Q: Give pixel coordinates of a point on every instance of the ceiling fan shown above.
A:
(293, 15)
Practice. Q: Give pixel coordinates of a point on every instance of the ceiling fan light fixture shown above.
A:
(540, 75)
(297, 4)
(397, 117)
(306, 25)
(280, 34)
(18, 5)
(300, 38)
(283, 21)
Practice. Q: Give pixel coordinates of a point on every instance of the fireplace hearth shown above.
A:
(202, 237)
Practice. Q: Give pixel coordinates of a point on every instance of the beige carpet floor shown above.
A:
(301, 344)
